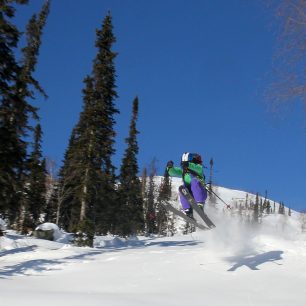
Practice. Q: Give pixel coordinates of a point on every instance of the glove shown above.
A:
(170, 164)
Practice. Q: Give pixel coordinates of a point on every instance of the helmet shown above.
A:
(192, 157)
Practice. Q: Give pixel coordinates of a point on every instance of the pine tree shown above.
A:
(211, 195)
(18, 86)
(33, 167)
(144, 191)
(52, 204)
(261, 207)
(11, 149)
(130, 190)
(67, 186)
(35, 184)
(240, 210)
(104, 94)
(150, 213)
(163, 216)
(211, 164)
(144, 178)
(165, 189)
(52, 194)
(256, 210)
(246, 201)
(281, 208)
(87, 178)
(265, 203)
(268, 207)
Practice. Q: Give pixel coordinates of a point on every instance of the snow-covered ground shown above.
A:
(230, 265)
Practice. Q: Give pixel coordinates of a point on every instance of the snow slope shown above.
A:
(230, 265)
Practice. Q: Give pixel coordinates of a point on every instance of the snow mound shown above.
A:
(58, 234)
(2, 225)
(7, 244)
(115, 242)
(47, 226)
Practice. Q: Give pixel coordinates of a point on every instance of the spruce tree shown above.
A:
(150, 203)
(87, 194)
(52, 204)
(104, 94)
(19, 86)
(211, 195)
(131, 203)
(144, 178)
(35, 184)
(268, 207)
(52, 194)
(247, 201)
(281, 208)
(11, 155)
(67, 186)
(162, 215)
(256, 210)
(261, 207)
(34, 168)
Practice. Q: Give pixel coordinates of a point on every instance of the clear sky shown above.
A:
(199, 68)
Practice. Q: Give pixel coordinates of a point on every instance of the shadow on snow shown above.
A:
(150, 242)
(18, 250)
(40, 265)
(253, 261)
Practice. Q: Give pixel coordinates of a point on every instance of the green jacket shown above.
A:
(195, 170)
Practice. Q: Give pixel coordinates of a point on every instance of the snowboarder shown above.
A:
(192, 173)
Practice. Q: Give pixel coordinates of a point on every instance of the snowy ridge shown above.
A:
(283, 224)
(230, 196)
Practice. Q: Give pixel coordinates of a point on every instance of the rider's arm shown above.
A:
(175, 171)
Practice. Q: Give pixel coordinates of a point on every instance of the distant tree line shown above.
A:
(253, 211)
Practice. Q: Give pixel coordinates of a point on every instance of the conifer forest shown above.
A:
(87, 195)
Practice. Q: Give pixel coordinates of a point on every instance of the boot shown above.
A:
(201, 205)
(189, 213)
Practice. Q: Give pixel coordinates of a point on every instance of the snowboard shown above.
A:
(179, 213)
(185, 192)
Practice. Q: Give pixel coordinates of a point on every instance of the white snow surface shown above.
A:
(232, 264)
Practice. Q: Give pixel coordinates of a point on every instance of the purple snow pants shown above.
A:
(198, 192)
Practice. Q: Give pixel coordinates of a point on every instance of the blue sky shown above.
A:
(199, 68)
